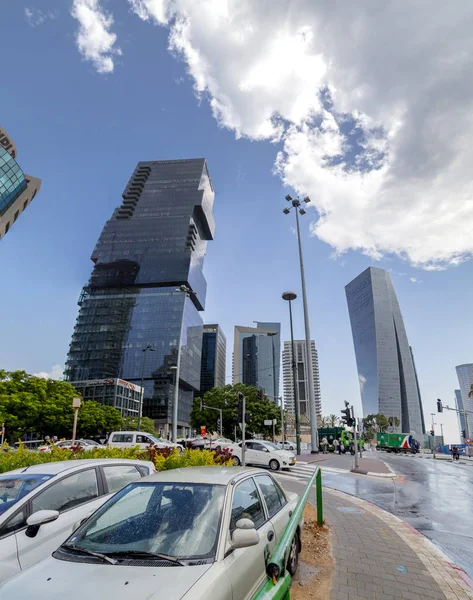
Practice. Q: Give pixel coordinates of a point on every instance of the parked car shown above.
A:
(261, 453)
(199, 444)
(40, 506)
(221, 442)
(85, 445)
(287, 445)
(129, 439)
(217, 524)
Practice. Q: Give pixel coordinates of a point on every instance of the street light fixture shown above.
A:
(288, 198)
(314, 436)
(290, 296)
(183, 289)
(286, 211)
(144, 350)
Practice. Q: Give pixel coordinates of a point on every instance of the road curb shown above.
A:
(454, 582)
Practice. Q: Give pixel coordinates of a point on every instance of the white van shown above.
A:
(129, 439)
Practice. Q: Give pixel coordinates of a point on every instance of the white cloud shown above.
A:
(373, 109)
(56, 372)
(35, 17)
(94, 39)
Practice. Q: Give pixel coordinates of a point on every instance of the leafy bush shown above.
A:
(163, 460)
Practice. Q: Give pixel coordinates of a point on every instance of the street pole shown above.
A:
(274, 433)
(314, 437)
(433, 436)
(290, 296)
(183, 289)
(357, 465)
(441, 430)
(282, 422)
(76, 403)
(243, 430)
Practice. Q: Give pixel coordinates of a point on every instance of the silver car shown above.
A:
(190, 534)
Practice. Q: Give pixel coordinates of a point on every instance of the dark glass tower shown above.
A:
(214, 355)
(154, 242)
(386, 370)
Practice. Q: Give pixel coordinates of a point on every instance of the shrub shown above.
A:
(164, 459)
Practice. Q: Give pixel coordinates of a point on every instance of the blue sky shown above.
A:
(82, 132)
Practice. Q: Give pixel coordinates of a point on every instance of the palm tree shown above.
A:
(333, 420)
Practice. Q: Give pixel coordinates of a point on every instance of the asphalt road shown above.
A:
(435, 497)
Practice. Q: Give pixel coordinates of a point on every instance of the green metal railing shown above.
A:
(278, 582)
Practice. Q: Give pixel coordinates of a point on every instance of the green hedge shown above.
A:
(163, 459)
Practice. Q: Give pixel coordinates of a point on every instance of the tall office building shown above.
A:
(214, 358)
(17, 189)
(460, 415)
(465, 380)
(256, 357)
(386, 371)
(153, 243)
(302, 379)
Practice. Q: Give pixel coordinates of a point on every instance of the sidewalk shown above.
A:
(370, 464)
(379, 557)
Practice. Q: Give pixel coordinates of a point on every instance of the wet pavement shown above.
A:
(435, 497)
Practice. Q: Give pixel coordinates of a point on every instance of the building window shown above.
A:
(16, 216)
(25, 204)
(7, 227)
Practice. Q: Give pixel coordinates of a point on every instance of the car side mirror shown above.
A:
(245, 534)
(40, 517)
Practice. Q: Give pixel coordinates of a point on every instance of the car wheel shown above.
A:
(274, 465)
(293, 558)
(236, 461)
(291, 448)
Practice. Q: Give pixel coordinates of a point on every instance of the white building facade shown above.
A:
(301, 378)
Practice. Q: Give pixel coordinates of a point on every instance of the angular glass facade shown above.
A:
(154, 242)
(386, 371)
(465, 379)
(256, 357)
(12, 180)
(214, 354)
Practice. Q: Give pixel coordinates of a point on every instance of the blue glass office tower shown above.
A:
(386, 370)
(214, 357)
(154, 242)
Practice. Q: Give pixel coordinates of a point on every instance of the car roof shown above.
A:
(212, 475)
(140, 432)
(54, 468)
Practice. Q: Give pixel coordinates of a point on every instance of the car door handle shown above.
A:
(290, 513)
(270, 535)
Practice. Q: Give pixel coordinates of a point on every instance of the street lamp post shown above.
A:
(174, 370)
(183, 289)
(314, 437)
(433, 436)
(145, 350)
(289, 297)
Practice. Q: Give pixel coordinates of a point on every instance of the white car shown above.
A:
(183, 534)
(85, 445)
(261, 453)
(287, 446)
(41, 505)
(129, 439)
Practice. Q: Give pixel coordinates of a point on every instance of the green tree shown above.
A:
(131, 424)
(31, 404)
(226, 398)
(374, 424)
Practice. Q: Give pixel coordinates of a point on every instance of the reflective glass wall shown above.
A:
(154, 242)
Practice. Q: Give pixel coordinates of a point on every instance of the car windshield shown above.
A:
(15, 487)
(180, 520)
(270, 445)
(155, 439)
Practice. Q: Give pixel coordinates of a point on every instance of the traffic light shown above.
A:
(432, 432)
(260, 394)
(347, 418)
(240, 407)
(248, 417)
(439, 405)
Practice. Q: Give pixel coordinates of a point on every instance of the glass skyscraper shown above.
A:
(153, 243)
(214, 358)
(17, 190)
(256, 357)
(465, 379)
(386, 370)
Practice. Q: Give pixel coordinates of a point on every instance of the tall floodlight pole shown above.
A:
(142, 396)
(289, 297)
(183, 289)
(314, 436)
